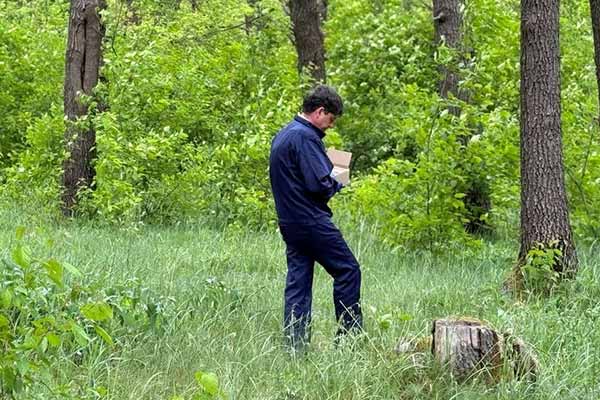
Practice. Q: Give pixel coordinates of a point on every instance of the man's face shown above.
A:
(324, 119)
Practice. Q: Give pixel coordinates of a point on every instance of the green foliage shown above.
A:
(39, 319)
(208, 387)
(49, 315)
(35, 179)
(539, 269)
(31, 67)
(428, 161)
(193, 98)
(373, 55)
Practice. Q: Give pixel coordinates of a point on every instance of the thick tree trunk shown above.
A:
(83, 58)
(306, 18)
(595, 12)
(544, 211)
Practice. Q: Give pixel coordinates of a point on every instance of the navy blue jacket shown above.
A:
(300, 174)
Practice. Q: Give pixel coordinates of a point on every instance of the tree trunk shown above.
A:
(447, 17)
(306, 18)
(595, 12)
(83, 58)
(544, 211)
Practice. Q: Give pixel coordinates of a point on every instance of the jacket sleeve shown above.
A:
(316, 169)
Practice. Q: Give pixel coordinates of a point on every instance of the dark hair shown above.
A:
(323, 96)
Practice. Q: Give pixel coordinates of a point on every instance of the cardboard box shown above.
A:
(341, 165)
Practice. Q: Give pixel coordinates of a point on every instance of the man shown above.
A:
(302, 184)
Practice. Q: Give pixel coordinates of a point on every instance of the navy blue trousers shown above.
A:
(323, 243)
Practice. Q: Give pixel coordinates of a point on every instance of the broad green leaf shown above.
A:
(72, 269)
(101, 390)
(53, 339)
(43, 344)
(6, 298)
(104, 335)
(20, 255)
(55, 271)
(208, 381)
(385, 321)
(405, 317)
(80, 336)
(4, 323)
(100, 311)
(23, 366)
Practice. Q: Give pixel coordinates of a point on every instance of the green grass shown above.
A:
(222, 298)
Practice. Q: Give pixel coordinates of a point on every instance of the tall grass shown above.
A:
(221, 292)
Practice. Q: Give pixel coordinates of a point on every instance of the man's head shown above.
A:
(322, 106)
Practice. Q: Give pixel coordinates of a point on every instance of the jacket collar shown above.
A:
(306, 122)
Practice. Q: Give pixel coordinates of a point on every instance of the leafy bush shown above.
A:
(194, 97)
(31, 67)
(42, 318)
(49, 315)
(539, 272)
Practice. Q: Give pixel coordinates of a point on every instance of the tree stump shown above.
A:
(470, 348)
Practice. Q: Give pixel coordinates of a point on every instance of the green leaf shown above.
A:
(43, 344)
(72, 269)
(405, 317)
(104, 335)
(99, 311)
(6, 298)
(53, 339)
(385, 321)
(208, 381)
(4, 323)
(55, 271)
(20, 255)
(80, 336)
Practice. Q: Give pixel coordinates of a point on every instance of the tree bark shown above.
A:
(83, 59)
(544, 210)
(595, 13)
(306, 16)
(447, 20)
